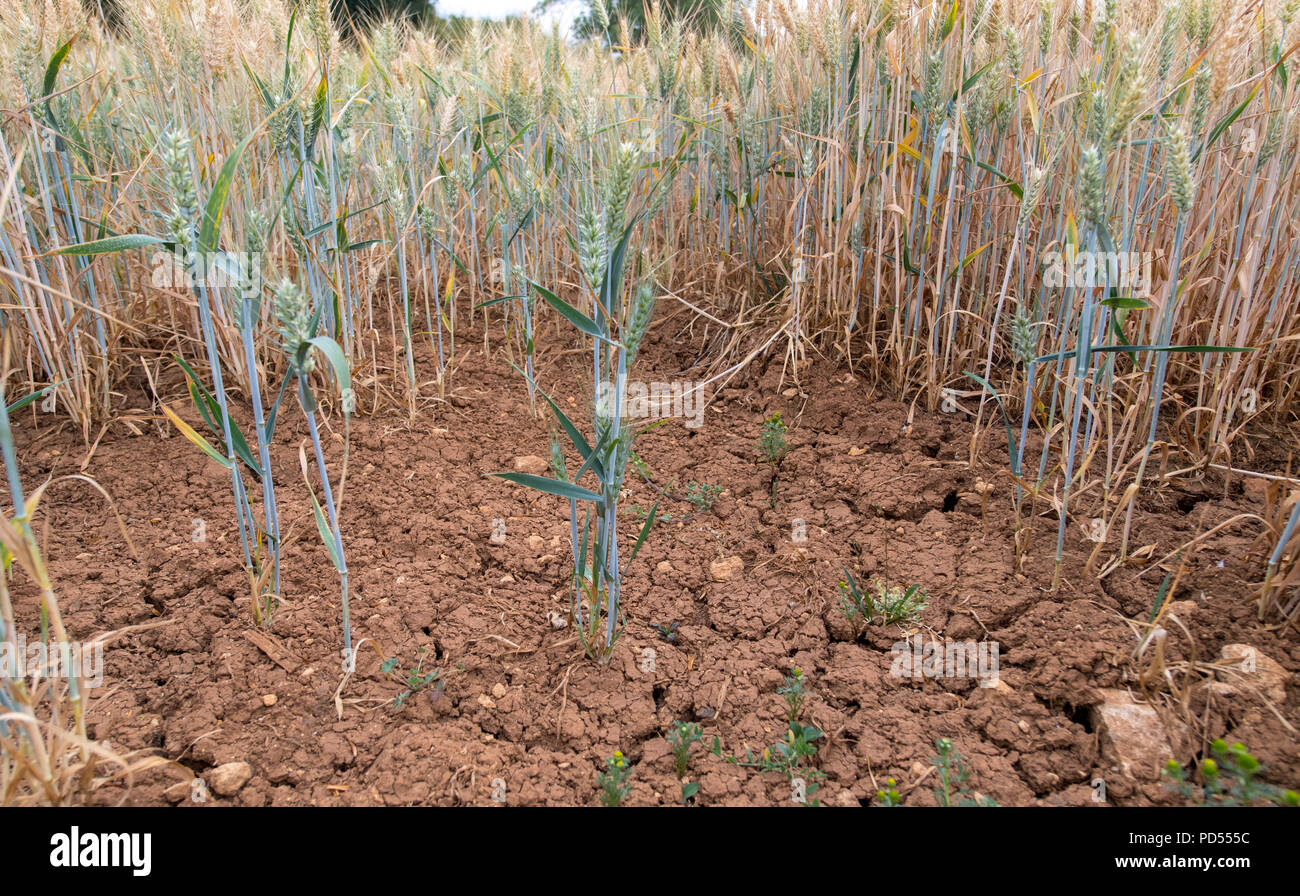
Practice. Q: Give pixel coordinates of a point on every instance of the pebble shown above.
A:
(531, 463)
(226, 780)
(726, 569)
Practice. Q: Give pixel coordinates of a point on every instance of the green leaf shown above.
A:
(612, 283)
(326, 536)
(1217, 131)
(550, 486)
(211, 224)
(1097, 349)
(268, 427)
(56, 62)
(645, 530)
(580, 443)
(852, 584)
(589, 457)
(497, 301)
(907, 263)
(949, 21)
(210, 410)
(1015, 188)
(110, 244)
(1126, 303)
(28, 399)
(1012, 450)
(1164, 588)
(195, 438)
(973, 79)
(334, 354)
(571, 314)
(339, 221)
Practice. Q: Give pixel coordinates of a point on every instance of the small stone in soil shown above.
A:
(226, 780)
(1132, 735)
(726, 569)
(531, 463)
(1263, 672)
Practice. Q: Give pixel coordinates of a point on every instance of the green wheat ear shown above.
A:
(293, 311)
(1178, 168)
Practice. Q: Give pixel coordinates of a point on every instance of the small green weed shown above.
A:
(1228, 779)
(667, 631)
(880, 603)
(416, 679)
(702, 495)
(953, 789)
(680, 737)
(795, 690)
(774, 446)
(615, 781)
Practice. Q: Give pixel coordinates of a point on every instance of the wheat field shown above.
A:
(1078, 218)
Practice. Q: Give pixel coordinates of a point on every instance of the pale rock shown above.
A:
(531, 463)
(1183, 609)
(226, 780)
(999, 690)
(726, 569)
(1131, 734)
(1255, 488)
(1251, 665)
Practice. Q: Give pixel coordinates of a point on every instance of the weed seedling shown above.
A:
(890, 795)
(702, 495)
(667, 631)
(680, 737)
(1228, 779)
(416, 679)
(615, 781)
(880, 603)
(774, 446)
(689, 790)
(953, 775)
(786, 756)
(794, 690)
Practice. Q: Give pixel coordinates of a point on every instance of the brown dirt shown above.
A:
(521, 704)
